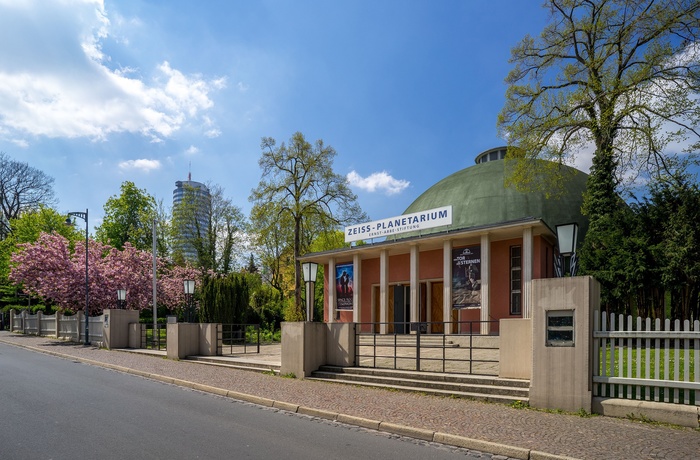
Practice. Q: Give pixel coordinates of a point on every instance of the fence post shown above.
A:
(57, 319)
(80, 323)
(39, 314)
(24, 321)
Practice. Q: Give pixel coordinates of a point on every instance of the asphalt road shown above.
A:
(53, 408)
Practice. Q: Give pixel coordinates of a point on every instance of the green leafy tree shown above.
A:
(299, 178)
(128, 218)
(26, 229)
(618, 77)
(225, 299)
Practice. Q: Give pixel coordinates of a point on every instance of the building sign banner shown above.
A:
(343, 286)
(394, 225)
(466, 277)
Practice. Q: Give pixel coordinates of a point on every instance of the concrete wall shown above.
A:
(208, 339)
(515, 351)
(183, 340)
(116, 327)
(306, 346)
(135, 335)
(561, 375)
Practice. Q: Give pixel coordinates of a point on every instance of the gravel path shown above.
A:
(560, 434)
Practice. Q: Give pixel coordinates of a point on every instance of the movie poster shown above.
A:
(466, 277)
(343, 286)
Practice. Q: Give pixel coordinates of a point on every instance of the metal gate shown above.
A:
(468, 352)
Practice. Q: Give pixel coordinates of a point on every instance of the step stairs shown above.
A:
(246, 364)
(483, 388)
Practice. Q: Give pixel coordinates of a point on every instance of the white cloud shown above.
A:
(55, 80)
(378, 181)
(143, 165)
(191, 150)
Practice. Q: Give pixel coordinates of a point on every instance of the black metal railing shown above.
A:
(240, 338)
(467, 351)
(157, 340)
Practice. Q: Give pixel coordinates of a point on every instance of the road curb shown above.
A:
(389, 427)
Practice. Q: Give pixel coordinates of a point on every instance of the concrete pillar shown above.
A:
(447, 285)
(561, 370)
(307, 346)
(356, 288)
(485, 279)
(384, 291)
(183, 340)
(116, 327)
(415, 283)
(331, 290)
(528, 261)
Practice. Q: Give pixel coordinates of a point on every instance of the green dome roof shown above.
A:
(479, 197)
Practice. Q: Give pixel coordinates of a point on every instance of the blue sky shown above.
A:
(95, 93)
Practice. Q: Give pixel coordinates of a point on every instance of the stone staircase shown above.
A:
(484, 388)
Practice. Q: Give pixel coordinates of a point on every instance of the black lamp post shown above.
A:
(309, 269)
(121, 298)
(84, 216)
(567, 235)
(189, 291)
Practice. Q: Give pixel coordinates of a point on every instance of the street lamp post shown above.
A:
(309, 269)
(567, 235)
(121, 298)
(84, 216)
(189, 291)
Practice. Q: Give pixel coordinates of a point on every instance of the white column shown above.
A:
(331, 290)
(528, 261)
(447, 285)
(384, 292)
(356, 288)
(485, 278)
(415, 284)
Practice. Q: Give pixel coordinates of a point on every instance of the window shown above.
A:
(516, 281)
(560, 328)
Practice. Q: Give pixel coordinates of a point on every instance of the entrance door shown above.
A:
(436, 296)
(402, 310)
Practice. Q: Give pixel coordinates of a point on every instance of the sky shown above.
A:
(95, 93)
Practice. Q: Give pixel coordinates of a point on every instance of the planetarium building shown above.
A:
(460, 258)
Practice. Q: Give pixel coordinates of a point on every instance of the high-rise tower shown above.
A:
(191, 203)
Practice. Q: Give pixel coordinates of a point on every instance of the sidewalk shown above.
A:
(494, 428)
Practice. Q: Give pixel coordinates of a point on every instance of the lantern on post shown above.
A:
(567, 236)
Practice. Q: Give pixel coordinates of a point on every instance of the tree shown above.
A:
(22, 189)
(27, 229)
(299, 178)
(226, 230)
(618, 76)
(271, 233)
(54, 268)
(128, 218)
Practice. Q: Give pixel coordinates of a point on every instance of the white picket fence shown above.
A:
(646, 360)
(57, 325)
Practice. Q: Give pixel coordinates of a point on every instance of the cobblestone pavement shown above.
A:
(567, 435)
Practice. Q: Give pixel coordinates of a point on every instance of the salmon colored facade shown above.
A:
(505, 239)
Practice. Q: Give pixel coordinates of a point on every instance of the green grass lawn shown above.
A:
(639, 358)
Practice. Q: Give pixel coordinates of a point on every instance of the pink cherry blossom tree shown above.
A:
(49, 269)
